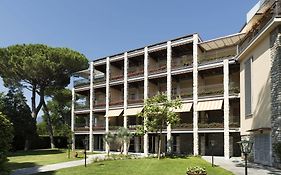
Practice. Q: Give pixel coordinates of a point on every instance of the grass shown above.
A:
(167, 166)
(23, 159)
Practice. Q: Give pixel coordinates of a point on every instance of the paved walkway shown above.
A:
(236, 165)
(53, 167)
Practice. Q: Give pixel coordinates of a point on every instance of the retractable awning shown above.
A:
(186, 107)
(114, 113)
(209, 105)
(132, 111)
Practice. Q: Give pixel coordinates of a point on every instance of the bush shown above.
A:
(277, 149)
(6, 138)
(196, 171)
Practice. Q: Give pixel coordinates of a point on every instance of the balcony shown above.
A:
(183, 126)
(157, 68)
(116, 101)
(210, 125)
(99, 103)
(135, 72)
(213, 89)
(135, 100)
(261, 24)
(217, 55)
(81, 83)
(100, 80)
(117, 77)
(81, 106)
(99, 127)
(183, 93)
(234, 125)
(182, 62)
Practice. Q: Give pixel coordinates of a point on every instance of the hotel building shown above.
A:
(229, 88)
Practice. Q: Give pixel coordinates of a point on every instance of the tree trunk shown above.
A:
(26, 144)
(35, 110)
(159, 145)
(49, 125)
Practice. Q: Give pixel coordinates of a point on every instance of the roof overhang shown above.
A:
(83, 73)
(222, 42)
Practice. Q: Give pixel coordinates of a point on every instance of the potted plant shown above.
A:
(197, 170)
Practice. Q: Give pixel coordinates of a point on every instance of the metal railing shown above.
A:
(183, 126)
(183, 93)
(272, 12)
(181, 63)
(217, 55)
(116, 77)
(99, 102)
(135, 71)
(81, 83)
(135, 100)
(213, 89)
(211, 125)
(116, 101)
(81, 106)
(158, 67)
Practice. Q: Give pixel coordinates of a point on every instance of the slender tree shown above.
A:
(108, 139)
(123, 137)
(157, 113)
(38, 67)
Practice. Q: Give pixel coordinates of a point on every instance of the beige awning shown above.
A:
(186, 107)
(132, 111)
(209, 105)
(114, 113)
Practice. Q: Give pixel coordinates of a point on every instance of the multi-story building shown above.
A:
(206, 75)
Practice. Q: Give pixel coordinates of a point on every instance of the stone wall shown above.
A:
(275, 41)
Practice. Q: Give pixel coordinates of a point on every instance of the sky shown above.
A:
(99, 28)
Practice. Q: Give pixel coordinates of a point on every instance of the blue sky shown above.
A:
(101, 28)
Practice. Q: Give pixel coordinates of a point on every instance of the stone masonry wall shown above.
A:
(275, 44)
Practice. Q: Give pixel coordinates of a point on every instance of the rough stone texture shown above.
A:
(275, 44)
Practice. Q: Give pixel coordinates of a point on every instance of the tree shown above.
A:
(14, 106)
(157, 114)
(6, 137)
(38, 67)
(123, 137)
(108, 139)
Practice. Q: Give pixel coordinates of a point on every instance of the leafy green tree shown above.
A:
(38, 67)
(14, 106)
(157, 113)
(123, 136)
(108, 139)
(6, 137)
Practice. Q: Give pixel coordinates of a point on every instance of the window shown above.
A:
(248, 86)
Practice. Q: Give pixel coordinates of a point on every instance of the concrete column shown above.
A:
(137, 144)
(226, 107)
(73, 119)
(195, 95)
(125, 93)
(91, 106)
(145, 96)
(169, 90)
(107, 99)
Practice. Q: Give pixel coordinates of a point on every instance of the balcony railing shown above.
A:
(116, 101)
(135, 101)
(81, 83)
(99, 127)
(135, 71)
(272, 12)
(210, 125)
(157, 67)
(151, 94)
(217, 55)
(181, 63)
(99, 80)
(183, 126)
(116, 77)
(183, 93)
(214, 89)
(234, 125)
(99, 102)
(81, 106)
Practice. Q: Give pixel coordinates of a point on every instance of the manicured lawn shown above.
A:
(22, 159)
(168, 166)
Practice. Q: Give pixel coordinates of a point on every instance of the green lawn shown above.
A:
(168, 166)
(22, 159)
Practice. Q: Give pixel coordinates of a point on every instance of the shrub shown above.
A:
(277, 149)
(6, 138)
(197, 170)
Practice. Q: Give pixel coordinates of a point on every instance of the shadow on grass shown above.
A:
(46, 173)
(35, 152)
